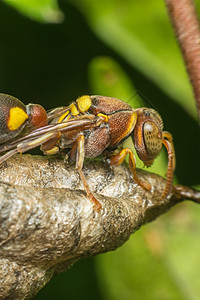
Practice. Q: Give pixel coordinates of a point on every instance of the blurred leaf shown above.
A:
(38, 10)
(106, 77)
(161, 261)
(182, 247)
(137, 272)
(141, 32)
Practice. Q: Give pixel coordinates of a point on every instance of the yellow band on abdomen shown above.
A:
(17, 117)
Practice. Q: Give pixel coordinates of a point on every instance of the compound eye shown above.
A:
(152, 138)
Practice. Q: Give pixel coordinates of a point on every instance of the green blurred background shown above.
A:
(51, 53)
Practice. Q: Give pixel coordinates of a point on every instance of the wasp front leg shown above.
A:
(78, 152)
(117, 159)
(168, 143)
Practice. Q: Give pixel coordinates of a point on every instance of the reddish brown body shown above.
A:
(95, 125)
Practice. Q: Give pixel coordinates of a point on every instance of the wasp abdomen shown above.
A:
(13, 117)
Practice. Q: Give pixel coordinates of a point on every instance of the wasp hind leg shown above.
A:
(28, 145)
(78, 151)
(117, 159)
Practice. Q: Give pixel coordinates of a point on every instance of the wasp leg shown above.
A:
(78, 148)
(25, 146)
(8, 155)
(117, 159)
(50, 147)
(168, 143)
(167, 135)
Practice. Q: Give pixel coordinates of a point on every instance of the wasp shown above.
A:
(89, 127)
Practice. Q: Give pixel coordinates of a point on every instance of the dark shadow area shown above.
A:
(46, 63)
(79, 282)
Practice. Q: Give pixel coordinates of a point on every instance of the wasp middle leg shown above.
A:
(117, 159)
(78, 153)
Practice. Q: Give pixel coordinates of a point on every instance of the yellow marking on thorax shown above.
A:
(63, 116)
(84, 103)
(131, 126)
(103, 117)
(73, 109)
(17, 117)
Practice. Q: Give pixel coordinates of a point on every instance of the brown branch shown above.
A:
(186, 27)
(47, 222)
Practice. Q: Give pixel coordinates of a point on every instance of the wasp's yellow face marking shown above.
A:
(74, 110)
(17, 117)
(84, 103)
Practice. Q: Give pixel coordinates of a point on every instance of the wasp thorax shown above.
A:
(152, 138)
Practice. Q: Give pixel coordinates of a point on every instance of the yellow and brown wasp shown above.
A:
(89, 127)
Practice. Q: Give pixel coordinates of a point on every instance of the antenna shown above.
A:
(146, 100)
(140, 100)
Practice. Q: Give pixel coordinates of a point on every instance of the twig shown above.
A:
(184, 192)
(186, 27)
(47, 222)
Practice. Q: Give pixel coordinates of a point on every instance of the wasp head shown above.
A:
(147, 135)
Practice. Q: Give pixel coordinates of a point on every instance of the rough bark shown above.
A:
(47, 222)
